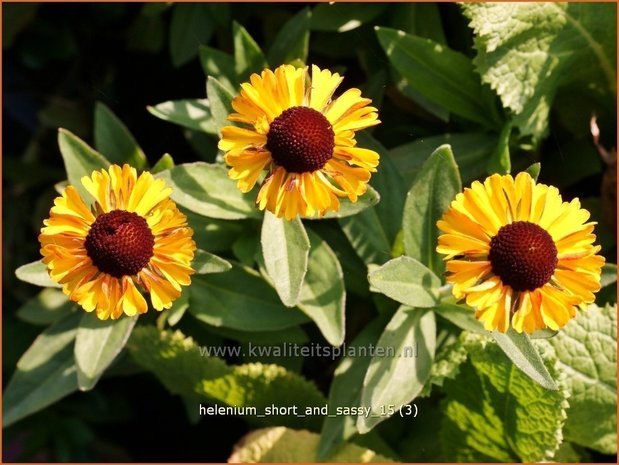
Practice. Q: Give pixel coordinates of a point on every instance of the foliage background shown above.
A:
(60, 59)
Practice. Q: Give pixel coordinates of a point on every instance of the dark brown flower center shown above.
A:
(301, 140)
(523, 255)
(120, 243)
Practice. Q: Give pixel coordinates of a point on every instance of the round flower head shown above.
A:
(518, 254)
(132, 237)
(304, 139)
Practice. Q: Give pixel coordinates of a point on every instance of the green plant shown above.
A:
(368, 275)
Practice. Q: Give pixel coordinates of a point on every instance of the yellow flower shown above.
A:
(518, 254)
(304, 139)
(133, 236)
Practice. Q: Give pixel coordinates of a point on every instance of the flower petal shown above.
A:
(324, 84)
(247, 166)
(238, 139)
(345, 104)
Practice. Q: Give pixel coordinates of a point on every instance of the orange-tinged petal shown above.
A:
(345, 104)
(486, 294)
(162, 293)
(357, 156)
(269, 192)
(581, 284)
(524, 318)
(452, 245)
(324, 84)
(247, 167)
(133, 303)
(70, 204)
(64, 237)
(359, 119)
(146, 194)
(458, 223)
(238, 139)
(352, 180)
(98, 186)
(288, 194)
(496, 317)
(555, 310)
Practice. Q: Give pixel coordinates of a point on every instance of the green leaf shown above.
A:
(429, 197)
(461, 316)
(220, 100)
(292, 335)
(178, 309)
(214, 235)
(185, 369)
(245, 249)
(206, 189)
(220, 12)
(190, 113)
(280, 444)
(219, 65)
(146, 33)
(373, 232)
(471, 151)
(166, 162)
(204, 145)
(292, 41)
(527, 51)
(366, 235)
(519, 348)
(355, 271)
(609, 274)
(587, 353)
(446, 364)
(408, 91)
(47, 307)
(419, 19)
(391, 187)
(500, 162)
(323, 296)
(192, 24)
(569, 453)
(493, 412)
(285, 248)
(345, 390)
(374, 88)
(114, 139)
(177, 361)
(408, 343)
(534, 170)
(206, 262)
(423, 20)
(543, 334)
(248, 56)
(240, 299)
(45, 373)
(442, 75)
(347, 208)
(408, 281)
(35, 273)
(79, 159)
(342, 17)
(97, 343)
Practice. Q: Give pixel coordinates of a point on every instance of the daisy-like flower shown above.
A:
(132, 237)
(518, 254)
(304, 139)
